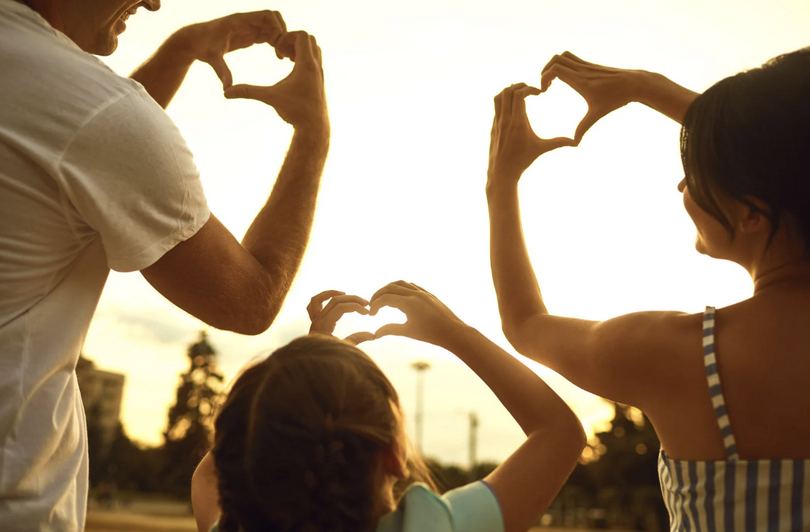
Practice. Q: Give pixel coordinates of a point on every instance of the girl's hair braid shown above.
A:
(298, 440)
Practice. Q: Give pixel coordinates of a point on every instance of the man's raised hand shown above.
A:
(299, 99)
(210, 41)
(324, 319)
(514, 146)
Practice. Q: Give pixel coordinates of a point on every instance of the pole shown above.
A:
(473, 444)
(420, 366)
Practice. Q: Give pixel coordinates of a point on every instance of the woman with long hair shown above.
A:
(726, 389)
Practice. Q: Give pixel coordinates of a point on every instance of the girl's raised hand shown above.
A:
(324, 319)
(429, 320)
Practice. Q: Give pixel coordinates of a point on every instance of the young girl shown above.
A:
(312, 438)
(726, 390)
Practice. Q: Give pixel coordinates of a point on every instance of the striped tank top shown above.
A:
(733, 495)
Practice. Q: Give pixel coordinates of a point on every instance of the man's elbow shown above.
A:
(250, 315)
(257, 319)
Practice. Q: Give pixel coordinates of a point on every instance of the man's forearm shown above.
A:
(515, 282)
(278, 236)
(163, 73)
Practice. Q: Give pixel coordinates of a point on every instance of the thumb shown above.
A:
(359, 337)
(557, 142)
(585, 124)
(250, 92)
(392, 329)
(222, 71)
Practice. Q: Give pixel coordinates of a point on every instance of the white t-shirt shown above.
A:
(93, 176)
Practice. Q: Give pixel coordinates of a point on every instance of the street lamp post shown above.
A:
(420, 366)
(473, 444)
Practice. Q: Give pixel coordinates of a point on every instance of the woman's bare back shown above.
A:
(762, 346)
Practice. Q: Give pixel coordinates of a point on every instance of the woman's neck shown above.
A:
(780, 275)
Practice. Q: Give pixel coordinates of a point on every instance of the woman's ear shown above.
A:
(753, 219)
(395, 462)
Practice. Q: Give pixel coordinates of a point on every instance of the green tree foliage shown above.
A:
(616, 484)
(626, 475)
(191, 419)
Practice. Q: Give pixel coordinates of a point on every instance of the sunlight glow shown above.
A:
(410, 89)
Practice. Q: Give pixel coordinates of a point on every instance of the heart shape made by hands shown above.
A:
(556, 112)
(353, 322)
(257, 65)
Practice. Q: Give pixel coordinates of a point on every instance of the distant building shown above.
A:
(102, 392)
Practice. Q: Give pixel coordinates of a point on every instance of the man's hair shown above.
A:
(299, 438)
(748, 136)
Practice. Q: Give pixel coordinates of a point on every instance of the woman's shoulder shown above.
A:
(471, 508)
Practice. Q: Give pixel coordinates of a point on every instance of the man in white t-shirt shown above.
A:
(94, 176)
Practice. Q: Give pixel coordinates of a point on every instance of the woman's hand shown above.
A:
(605, 89)
(429, 320)
(514, 146)
(324, 319)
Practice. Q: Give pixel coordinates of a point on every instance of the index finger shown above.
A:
(264, 20)
(520, 95)
(399, 301)
(566, 58)
(316, 303)
(397, 287)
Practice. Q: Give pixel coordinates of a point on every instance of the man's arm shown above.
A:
(240, 287)
(164, 72)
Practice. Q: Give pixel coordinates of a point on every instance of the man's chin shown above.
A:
(106, 46)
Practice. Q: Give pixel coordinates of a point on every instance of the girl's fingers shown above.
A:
(398, 287)
(339, 299)
(359, 337)
(316, 303)
(398, 301)
(392, 329)
(336, 312)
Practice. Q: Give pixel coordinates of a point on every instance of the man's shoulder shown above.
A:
(44, 66)
(50, 89)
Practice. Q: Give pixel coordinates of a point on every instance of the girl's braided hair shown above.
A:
(298, 439)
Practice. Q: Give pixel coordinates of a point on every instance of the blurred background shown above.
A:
(410, 88)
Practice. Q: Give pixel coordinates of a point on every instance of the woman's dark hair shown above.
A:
(748, 136)
(298, 440)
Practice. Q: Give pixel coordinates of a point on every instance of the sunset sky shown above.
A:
(410, 87)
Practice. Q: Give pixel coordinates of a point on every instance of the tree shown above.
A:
(625, 473)
(191, 419)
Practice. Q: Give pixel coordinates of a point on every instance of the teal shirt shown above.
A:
(472, 508)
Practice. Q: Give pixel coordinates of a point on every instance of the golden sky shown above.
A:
(410, 87)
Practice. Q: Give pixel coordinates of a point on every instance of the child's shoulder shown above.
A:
(471, 508)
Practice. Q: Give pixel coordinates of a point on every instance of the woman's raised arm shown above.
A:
(606, 89)
(621, 359)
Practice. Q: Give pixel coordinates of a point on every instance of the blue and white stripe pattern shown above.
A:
(733, 495)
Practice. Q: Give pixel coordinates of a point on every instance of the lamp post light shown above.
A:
(420, 366)
(473, 444)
